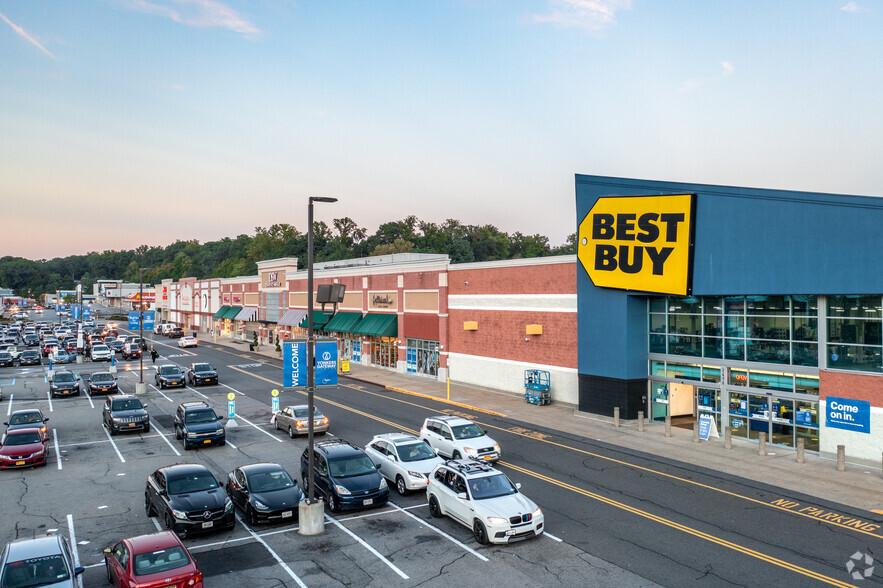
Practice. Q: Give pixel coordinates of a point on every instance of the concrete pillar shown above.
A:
(696, 432)
(140, 388)
(79, 358)
(616, 416)
(841, 458)
(668, 425)
(641, 421)
(311, 517)
(728, 438)
(800, 447)
(761, 444)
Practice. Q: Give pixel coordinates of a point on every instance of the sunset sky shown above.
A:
(129, 122)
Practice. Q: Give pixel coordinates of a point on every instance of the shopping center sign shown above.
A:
(640, 243)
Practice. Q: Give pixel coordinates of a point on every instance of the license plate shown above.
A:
(208, 524)
(485, 457)
(207, 380)
(510, 532)
(131, 424)
(318, 423)
(19, 463)
(104, 389)
(368, 501)
(207, 441)
(286, 514)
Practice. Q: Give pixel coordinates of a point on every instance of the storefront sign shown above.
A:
(382, 300)
(707, 427)
(186, 298)
(326, 363)
(640, 243)
(848, 414)
(270, 280)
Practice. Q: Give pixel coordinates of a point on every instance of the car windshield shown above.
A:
(38, 571)
(25, 418)
(160, 561)
(200, 416)
(64, 378)
(102, 377)
(469, 431)
(127, 404)
(192, 483)
(270, 481)
(348, 467)
(22, 438)
(4, 355)
(202, 367)
(169, 370)
(301, 413)
(100, 348)
(415, 451)
(491, 487)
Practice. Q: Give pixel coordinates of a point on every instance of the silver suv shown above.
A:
(455, 438)
(41, 561)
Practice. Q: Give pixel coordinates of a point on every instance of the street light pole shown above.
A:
(141, 321)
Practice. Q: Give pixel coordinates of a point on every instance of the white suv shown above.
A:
(485, 500)
(403, 459)
(101, 353)
(455, 437)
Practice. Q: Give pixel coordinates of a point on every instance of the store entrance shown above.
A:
(675, 400)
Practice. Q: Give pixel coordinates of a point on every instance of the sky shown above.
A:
(130, 122)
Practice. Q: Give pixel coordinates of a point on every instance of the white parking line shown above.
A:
(73, 538)
(89, 396)
(231, 445)
(198, 392)
(160, 391)
(156, 523)
(553, 537)
(155, 428)
(57, 452)
(267, 433)
(439, 531)
(275, 556)
(115, 448)
(9, 408)
(49, 396)
(234, 389)
(368, 547)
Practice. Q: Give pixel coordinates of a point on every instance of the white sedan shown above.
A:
(187, 342)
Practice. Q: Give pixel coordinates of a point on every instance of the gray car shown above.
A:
(41, 561)
(294, 420)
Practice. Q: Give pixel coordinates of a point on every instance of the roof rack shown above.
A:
(468, 466)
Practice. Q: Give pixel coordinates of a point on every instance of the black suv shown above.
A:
(125, 412)
(197, 424)
(65, 383)
(31, 340)
(202, 373)
(339, 465)
(102, 383)
(188, 499)
(176, 333)
(30, 358)
(6, 359)
(169, 375)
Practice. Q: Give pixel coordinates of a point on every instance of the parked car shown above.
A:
(23, 448)
(27, 418)
(188, 499)
(344, 476)
(483, 499)
(265, 492)
(30, 358)
(196, 424)
(176, 333)
(201, 373)
(100, 352)
(188, 342)
(42, 561)
(169, 375)
(454, 437)
(6, 359)
(166, 328)
(116, 345)
(102, 383)
(157, 559)
(65, 383)
(125, 412)
(403, 459)
(62, 356)
(294, 420)
(131, 351)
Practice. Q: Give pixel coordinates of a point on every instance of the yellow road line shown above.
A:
(642, 513)
(460, 404)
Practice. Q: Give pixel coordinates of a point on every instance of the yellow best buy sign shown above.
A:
(640, 243)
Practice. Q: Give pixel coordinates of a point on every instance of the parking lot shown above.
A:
(92, 489)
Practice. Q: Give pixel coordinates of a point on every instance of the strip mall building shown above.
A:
(761, 309)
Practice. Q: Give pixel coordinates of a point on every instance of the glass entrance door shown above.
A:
(708, 401)
(658, 401)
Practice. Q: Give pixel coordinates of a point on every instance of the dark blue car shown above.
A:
(344, 476)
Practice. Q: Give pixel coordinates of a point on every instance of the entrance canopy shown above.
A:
(378, 325)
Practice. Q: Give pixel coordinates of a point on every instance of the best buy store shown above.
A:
(761, 308)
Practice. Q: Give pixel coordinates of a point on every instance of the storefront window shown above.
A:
(713, 305)
(735, 326)
(734, 349)
(684, 371)
(855, 357)
(855, 306)
(686, 324)
(805, 329)
(383, 352)
(858, 331)
(807, 385)
(422, 357)
(657, 343)
(805, 354)
(657, 368)
(768, 305)
(758, 416)
(769, 327)
(657, 304)
(807, 414)
(771, 380)
(688, 305)
(713, 347)
(711, 374)
(681, 345)
(734, 304)
(657, 323)
(805, 305)
(769, 351)
(738, 377)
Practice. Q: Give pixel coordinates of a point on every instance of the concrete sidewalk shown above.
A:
(859, 486)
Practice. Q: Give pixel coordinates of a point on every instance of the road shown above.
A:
(613, 517)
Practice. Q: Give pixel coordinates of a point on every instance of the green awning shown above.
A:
(221, 312)
(378, 325)
(343, 322)
(319, 318)
(232, 312)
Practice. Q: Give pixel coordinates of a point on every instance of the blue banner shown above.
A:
(294, 364)
(133, 321)
(326, 363)
(848, 414)
(87, 313)
(148, 320)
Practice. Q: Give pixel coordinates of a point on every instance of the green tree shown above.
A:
(397, 246)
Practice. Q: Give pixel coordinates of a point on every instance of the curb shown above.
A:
(429, 397)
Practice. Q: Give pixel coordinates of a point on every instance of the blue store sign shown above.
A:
(848, 414)
(294, 364)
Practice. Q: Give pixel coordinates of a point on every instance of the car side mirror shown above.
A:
(7, 424)
(518, 485)
(391, 458)
(45, 420)
(107, 550)
(462, 496)
(78, 571)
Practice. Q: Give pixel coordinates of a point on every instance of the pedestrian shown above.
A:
(153, 354)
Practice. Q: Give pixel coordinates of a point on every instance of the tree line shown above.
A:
(229, 257)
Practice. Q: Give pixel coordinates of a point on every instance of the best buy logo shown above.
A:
(639, 243)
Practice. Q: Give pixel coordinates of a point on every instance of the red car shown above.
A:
(23, 448)
(158, 559)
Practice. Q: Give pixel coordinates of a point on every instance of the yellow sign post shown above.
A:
(640, 243)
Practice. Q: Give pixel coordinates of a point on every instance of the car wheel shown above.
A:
(112, 431)
(333, 502)
(276, 424)
(251, 517)
(170, 524)
(456, 455)
(306, 483)
(162, 385)
(480, 532)
(400, 485)
(148, 508)
(107, 570)
(290, 432)
(434, 508)
(177, 433)
(146, 428)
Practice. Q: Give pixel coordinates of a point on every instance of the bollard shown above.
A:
(728, 438)
(640, 421)
(761, 444)
(841, 458)
(800, 447)
(696, 432)
(615, 416)
(668, 425)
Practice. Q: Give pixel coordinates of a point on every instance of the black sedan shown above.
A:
(265, 492)
(125, 412)
(102, 383)
(28, 418)
(6, 359)
(169, 375)
(188, 499)
(202, 373)
(65, 383)
(30, 358)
